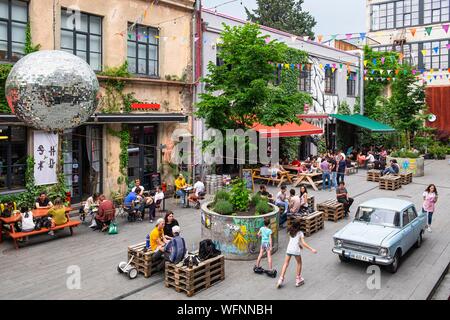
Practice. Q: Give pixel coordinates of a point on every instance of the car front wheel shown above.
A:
(393, 267)
(343, 258)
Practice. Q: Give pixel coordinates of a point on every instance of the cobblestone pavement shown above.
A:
(39, 270)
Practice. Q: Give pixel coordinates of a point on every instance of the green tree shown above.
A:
(285, 15)
(240, 92)
(407, 102)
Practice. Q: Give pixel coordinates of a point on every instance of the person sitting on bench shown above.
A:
(294, 202)
(158, 241)
(132, 201)
(264, 193)
(43, 201)
(392, 169)
(342, 197)
(282, 199)
(58, 214)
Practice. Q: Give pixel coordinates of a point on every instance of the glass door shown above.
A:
(73, 165)
(142, 161)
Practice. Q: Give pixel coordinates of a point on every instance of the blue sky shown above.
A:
(332, 16)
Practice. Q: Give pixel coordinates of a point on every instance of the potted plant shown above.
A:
(232, 221)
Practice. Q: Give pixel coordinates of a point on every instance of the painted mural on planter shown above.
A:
(237, 237)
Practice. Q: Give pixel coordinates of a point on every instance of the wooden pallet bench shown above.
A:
(373, 175)
(309, 224)
(390, 182)
(333, 210)
(193, 280)
(143, 261)
(406, 178)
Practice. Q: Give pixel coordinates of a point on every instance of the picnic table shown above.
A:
(37, 213)
(308, 178)
(282, 176)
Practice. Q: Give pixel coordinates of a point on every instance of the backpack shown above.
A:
(178, 249)
(207, 250)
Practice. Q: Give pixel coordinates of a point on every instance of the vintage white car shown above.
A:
(383, 230)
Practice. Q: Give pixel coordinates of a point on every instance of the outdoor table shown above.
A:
(188, 190)
(283, 176)
(308, 178)
(37, 213)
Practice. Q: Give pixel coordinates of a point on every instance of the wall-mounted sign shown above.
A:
(45, 157)
(146, 106)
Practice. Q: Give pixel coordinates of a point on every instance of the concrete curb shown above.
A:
(438, 283)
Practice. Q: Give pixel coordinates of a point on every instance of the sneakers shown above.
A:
(51, 232)
(280, 282)
(429, 228)
(299, 281)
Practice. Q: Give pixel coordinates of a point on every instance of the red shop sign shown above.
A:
(154, 106)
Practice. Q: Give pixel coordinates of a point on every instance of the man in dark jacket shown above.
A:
(174, 251)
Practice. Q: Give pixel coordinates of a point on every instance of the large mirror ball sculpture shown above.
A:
(52, 90)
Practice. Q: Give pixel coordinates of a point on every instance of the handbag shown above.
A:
(113, 229)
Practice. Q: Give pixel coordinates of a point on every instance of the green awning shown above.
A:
(363, 122)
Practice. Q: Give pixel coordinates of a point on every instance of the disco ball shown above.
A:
(52, 90)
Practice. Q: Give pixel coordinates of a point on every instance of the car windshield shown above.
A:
(383, 217)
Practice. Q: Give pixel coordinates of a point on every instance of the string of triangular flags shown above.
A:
(362, 35)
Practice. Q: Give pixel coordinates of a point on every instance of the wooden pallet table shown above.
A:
(143, 261)
(406, 178)
(193, 280)
(333, 210)
(309, 224)
(390, 182)
(373, 175)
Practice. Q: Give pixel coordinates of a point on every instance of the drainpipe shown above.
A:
(196, 69)
(361, 81)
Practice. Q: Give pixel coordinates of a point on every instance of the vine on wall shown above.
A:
(124, 136)
(115, 100)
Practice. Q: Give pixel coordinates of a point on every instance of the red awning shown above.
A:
(289, 130)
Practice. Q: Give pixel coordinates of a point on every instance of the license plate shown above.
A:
(361, 257)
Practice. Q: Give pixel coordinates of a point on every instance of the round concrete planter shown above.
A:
(416, 166)
(236, 236)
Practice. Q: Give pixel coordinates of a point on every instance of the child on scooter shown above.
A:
(296, 243)
(266, 245)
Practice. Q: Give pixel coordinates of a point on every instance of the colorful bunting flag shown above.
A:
(362, 36)
(445, 27)
(374, 61)
(365, 63)
(348, 36)
(319, 38)
(428, 30)
(267, 39)
(333, 36)
(448, 46)
(424, 52)
(382, 60)
(436, 49)
(413, 31)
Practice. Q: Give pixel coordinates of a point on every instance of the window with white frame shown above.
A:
(436, 11)
(436, 55)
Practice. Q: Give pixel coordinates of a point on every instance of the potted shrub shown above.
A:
(233, 219)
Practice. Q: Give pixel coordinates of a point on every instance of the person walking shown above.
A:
(333, 169)
(340, 168)
(266, 246)
(430, 197)
(295, 245)
(326, 178)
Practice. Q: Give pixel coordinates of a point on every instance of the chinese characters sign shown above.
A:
(45, 157)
